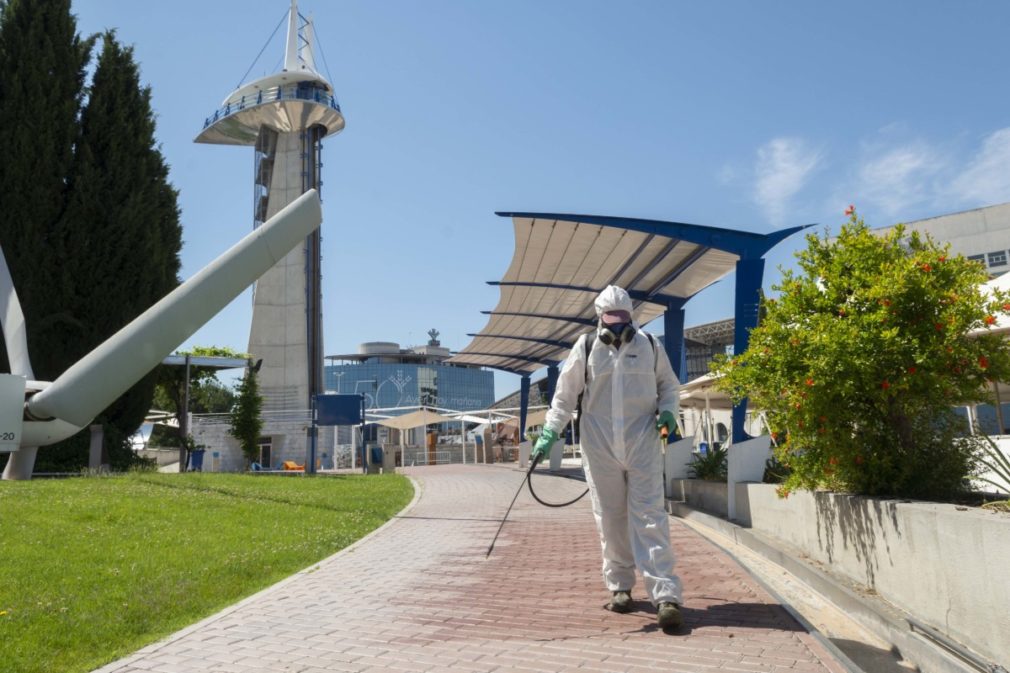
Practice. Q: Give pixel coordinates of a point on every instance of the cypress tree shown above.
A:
(246, 424)
(42, 71)
(120, 231)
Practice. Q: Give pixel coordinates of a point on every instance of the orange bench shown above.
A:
(292, 466)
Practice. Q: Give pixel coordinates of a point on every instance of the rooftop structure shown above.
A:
(982, 234)
(390, 376)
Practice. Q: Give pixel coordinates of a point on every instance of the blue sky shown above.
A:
(749, 115)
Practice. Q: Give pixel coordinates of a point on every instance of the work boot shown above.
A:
(668, 616)
(621, 602)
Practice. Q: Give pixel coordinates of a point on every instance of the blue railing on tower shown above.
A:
(289, 92)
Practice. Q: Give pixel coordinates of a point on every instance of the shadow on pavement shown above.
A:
(871, 658)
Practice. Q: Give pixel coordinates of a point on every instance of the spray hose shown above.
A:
(529, 484)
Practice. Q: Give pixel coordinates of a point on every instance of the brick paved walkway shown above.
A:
(418, 596)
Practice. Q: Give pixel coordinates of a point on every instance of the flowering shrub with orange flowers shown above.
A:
(860, 360)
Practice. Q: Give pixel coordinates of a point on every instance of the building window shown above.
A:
(997, 258)
(977, 258)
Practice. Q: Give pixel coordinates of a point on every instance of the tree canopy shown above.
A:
(246, 423)
(207, 395)
(859, 363)
(42, 73)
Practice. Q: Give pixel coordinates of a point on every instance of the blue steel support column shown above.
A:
(673, 338)
(749, 274)
(524, 404)
(552, 382)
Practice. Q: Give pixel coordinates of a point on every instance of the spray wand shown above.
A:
(529, 482)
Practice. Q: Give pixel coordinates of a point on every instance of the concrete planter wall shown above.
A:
(946, 566)
(708, 496)
(745, 462)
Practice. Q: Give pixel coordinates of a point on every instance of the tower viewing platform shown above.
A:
(286, 102)
(294, 99)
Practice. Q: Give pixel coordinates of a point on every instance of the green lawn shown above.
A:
(92, 569)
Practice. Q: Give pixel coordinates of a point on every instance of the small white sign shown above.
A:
(12, 404)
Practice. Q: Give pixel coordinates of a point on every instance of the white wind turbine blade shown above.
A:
(13, 324)
(97, 379)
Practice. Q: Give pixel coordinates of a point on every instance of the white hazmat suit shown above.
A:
(624, 389)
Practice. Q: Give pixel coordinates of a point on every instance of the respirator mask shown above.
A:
(616, 328)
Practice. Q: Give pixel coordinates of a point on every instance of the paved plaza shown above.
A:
(418, 596)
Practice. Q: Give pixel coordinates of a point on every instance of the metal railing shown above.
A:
(422, 456)
(292, 415)
(277, 93)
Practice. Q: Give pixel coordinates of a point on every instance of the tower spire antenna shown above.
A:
(291, 46)
(308, 42)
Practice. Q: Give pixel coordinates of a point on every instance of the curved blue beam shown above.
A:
(748, 245)
(549, 342)
(590, 322)
(637, 295)
(503, 356)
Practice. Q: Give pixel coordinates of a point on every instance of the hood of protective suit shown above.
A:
(614, 298)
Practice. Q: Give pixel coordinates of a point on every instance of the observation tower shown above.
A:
(284, 117)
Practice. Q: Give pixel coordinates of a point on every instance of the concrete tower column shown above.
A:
(279, 332)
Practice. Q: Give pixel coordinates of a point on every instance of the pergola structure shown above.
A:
(561, 262)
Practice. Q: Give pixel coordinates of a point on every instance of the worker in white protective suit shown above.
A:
(626, 380)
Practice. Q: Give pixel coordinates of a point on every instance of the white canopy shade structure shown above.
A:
(482, 420)
(559, 266)
(533, 419)
(414, 419)
(562, 262)
(701, 393)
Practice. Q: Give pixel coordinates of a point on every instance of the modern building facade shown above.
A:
(982, 234)
(390, 376)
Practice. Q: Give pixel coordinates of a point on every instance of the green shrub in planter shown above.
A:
(994, 460)
(775, 471)
(710, 465)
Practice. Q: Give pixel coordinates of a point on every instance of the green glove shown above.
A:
(667, 421)
(543, 446)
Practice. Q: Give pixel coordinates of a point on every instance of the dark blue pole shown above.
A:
(310, 468)
(552, 382)
(364, 467)
(524, 404)
(673, 338)
(749, 274)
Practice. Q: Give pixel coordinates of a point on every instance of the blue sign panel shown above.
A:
(339, 409)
